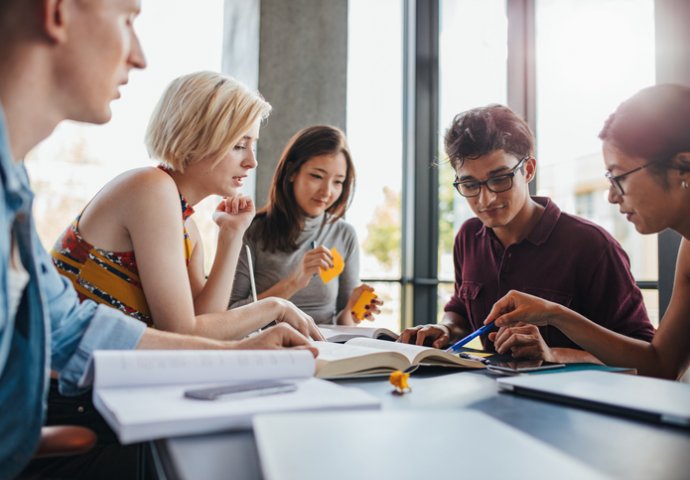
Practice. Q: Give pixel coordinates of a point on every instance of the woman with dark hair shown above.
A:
(646, 145)
(292, 236)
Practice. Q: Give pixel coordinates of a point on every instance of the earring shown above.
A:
(684, 184)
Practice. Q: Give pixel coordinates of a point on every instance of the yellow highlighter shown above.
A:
(364, 299)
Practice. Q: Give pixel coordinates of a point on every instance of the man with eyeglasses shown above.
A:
(519, 242)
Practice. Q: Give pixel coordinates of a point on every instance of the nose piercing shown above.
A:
(684, 184)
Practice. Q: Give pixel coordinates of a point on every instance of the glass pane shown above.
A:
(444, 292)
(473, 50)
(77, 160)
(651, 301)
(374, 84)
(591, 55)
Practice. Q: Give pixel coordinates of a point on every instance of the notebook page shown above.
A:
(132, 368)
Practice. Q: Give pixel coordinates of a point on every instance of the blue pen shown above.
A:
(313, 246)
(464, 341)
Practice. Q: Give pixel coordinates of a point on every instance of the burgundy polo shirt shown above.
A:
(564, 259)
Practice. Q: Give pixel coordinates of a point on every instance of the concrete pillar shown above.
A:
(302, 67)
(241, 51)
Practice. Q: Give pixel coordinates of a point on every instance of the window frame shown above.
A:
(419, 278)
(420, 182)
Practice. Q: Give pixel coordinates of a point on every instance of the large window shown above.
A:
(472, 72)
(591, 55)
(374, 129)
(563, 64)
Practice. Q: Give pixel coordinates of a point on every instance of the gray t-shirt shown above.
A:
(322, 302)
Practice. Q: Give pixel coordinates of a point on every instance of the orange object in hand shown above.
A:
(359, 308)
(335, 270)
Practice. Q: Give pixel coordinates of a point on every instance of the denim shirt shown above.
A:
(51, 329)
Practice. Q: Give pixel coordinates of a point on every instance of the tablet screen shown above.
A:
(517, 366)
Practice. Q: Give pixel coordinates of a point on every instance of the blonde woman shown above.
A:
(136, 247)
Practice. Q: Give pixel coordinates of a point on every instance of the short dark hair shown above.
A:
(653, 124)
(281, 220)
(482, 130)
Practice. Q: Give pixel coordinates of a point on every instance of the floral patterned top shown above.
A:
(111, 278)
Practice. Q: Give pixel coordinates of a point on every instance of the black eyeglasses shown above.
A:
(497, 184)
(616, 179)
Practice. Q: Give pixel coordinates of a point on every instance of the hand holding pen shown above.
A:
(319, 257)
(464, 341)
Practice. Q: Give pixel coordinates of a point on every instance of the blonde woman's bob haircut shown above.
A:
(202, 115)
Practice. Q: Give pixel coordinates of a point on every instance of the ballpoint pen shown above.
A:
(252, 283)
(464, 341)
(234, 391)
(469, 356)
(313, 246)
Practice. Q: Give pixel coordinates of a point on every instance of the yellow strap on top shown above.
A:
(68, 261)
(118, 288)
(187, 246)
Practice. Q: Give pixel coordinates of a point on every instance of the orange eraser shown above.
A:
(364, 299)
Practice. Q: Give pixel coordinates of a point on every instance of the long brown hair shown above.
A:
(281, 220)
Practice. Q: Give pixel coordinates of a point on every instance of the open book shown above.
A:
(367, 356)
(141, 394)
(343, 333)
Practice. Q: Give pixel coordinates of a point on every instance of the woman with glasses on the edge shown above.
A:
(647, 156)
(525, 243)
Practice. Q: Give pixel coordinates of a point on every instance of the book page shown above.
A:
(146, 413)
(410, 351)
(337, 359)
(417, 354)
(131, 368)
(341, 333)
(333, 351)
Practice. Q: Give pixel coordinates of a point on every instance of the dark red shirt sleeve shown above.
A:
(565, 259)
